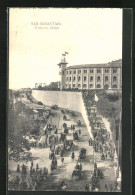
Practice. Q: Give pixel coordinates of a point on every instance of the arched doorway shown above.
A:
(91, 85)
(98, 86)
(106, 86)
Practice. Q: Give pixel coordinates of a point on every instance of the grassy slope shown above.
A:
(109, 106)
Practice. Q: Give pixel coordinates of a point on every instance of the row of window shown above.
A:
(91, 78)
(91, 71)
(91, 86)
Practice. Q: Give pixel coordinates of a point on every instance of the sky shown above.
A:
(39, 36)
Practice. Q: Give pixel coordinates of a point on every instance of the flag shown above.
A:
(66, 52)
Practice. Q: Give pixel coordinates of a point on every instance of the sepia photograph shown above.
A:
(65, 99)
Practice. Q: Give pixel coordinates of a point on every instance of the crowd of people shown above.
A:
(29, 178)
(101, 143)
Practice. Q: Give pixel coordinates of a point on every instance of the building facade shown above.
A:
(91, 76)
(39, 84)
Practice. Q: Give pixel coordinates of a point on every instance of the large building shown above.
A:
(39, 85)
(91, 76)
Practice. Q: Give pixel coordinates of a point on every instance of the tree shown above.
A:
(40, 87)
(16, 94)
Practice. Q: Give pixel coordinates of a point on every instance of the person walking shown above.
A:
(18, 168)
(71, 127)
(73, 155)
(30, 171)
(32, 164)
(37, 167)
(62, 160)
(111, 188)
(86, 187)
(98, 186)
(89, 142)
(106, 188)
(115, 185)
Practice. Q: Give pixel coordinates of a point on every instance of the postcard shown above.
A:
(65, 99)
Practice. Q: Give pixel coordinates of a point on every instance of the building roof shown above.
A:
(25, 90)
(113, 64)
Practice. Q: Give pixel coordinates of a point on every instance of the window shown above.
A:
(85, 71)
(106, 78)
(79, 71)
(114, 86)
(98, 86)
(106, 71)
(73, 85)
(70, 79)
(70, 72)
(74, 72)
(84, 86)
(91, 78)
(114, 79)
(70, 86)
(74, 79)
(79, 85)
(67, 72)
(91, 70)
(63, 72)
(98, 71)
(85, 78)
(98, 78)
(67, 78)
(79, 78)
(91, 86)
(114, 70)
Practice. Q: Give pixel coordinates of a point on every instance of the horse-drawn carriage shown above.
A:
(77, 172)
(100, 174)
(62, 111)
(68, 144)
(72, 113)
(54, 164)
(59, 150)
(49, 127)
(51, 139)
(54, 107)
(75, 136)
(82, 154)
